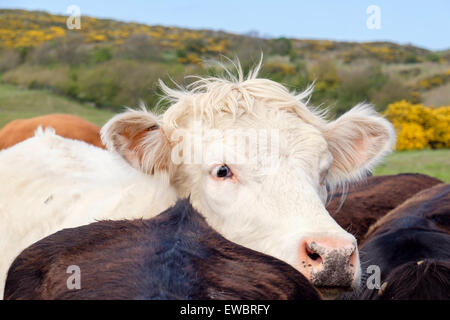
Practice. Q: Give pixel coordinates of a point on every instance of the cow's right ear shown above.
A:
(138, 138)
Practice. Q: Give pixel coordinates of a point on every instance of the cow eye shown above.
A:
(222, 171)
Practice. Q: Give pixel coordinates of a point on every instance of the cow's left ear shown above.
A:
(137, 137)
(358, 140)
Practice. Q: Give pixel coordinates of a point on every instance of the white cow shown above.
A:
(49, 183)
(271, 201)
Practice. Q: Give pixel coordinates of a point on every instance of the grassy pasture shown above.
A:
(18, 103)
(434, 163)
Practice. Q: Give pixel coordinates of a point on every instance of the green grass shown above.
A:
(434, 163)
(18, 103)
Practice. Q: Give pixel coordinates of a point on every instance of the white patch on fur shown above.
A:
(54, 183)
(47, 131)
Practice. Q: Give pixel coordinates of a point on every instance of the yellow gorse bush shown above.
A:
(418, 126)
(19, 29)
(441, 129)
(433, 81)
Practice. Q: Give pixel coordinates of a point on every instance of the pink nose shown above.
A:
(329, 262)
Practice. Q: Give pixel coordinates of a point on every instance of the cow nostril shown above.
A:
(314, 256)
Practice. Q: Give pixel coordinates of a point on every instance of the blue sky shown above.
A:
(422, 23)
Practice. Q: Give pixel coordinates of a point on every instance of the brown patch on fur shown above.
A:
(367, 201)
(139, 139)
(65, 125)
(135, 142)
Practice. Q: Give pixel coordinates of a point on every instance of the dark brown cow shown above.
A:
(368, 201)
(416, 232)
(175, 255)
(65, 125)
(421, 280)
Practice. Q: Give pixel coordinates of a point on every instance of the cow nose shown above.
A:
(329, 262)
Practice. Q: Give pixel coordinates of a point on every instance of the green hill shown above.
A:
(95, 71)
(110, 63)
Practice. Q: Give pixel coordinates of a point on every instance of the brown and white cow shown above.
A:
(65, 125)
(271, 201)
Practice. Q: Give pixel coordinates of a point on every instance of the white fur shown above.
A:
(270, 213)
(50, 183)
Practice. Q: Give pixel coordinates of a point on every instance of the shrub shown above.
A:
(69, 50)
(37, 77)
(433, 81)
(411, 136)
(326, 74)
(433, 57)
(9, 59)
(42, 54)
(441, 138)
(281, 46)
(102, 54)
(392, 90)
(418, 126)
(411, 58)
(140, 47)
(278, 70)
(366, 83)
(119, 83)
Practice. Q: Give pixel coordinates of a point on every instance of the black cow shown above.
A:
(357, 208)
(421, 280)
(411, 246)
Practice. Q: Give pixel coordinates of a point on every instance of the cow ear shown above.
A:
(138, 138)
(358, 140)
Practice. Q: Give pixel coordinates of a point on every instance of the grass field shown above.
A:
(434, 163)
(18, 103)
(24, 103)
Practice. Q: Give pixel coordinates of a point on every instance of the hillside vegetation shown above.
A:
(95, 71)
(26, 103)
(109, 64)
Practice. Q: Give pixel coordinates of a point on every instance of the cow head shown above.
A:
(257, 163)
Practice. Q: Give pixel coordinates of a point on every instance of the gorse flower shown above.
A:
(419, 127)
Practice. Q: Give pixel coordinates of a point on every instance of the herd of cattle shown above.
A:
(138, 226)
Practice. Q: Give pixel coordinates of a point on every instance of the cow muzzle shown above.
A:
(330, 263)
